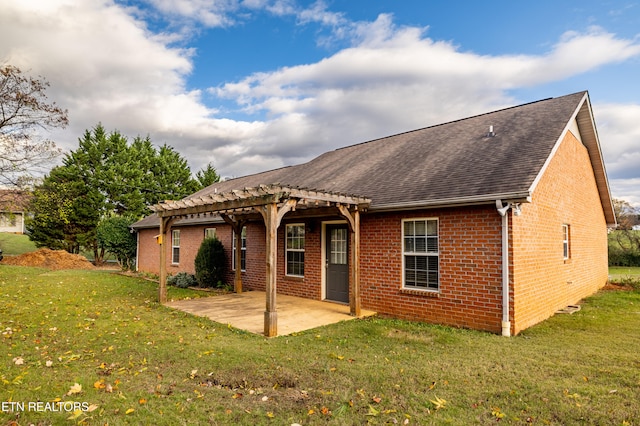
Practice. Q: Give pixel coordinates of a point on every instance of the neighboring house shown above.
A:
(13, 207)
(492, 222)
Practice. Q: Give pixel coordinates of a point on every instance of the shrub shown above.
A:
(113, 235)
(182, 280)
(210, 263)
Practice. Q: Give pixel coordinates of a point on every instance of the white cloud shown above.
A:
(105, 66)
(619, 131)
(210, 13)
(396, 80)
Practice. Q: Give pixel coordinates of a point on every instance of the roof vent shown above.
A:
(491, 132)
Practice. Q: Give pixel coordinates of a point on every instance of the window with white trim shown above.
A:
(243, 250)
(566, 246)
(210, 232)
(420, 255)
(175, 246)
(295, 249)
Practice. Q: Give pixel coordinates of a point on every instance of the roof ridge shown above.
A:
(458, 120)
(257, 173)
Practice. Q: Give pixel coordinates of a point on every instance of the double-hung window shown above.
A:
(295, 249)
(420, 254)
(243, 250)
(175, 246)
(566, 248)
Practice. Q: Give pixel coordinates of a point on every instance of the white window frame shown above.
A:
(243, 254)
(175, 246)
(210, 233)
(419, 253)
(566, 241)
(293, 250)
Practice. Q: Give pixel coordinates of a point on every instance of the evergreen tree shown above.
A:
(207, 176)
(105, 177)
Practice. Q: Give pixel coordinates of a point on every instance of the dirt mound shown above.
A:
(51, 259)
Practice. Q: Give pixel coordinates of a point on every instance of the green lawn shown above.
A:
(99, 339)
(15, 244)
(624, 271)
(626, 275)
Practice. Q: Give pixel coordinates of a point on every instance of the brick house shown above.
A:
(492, 222)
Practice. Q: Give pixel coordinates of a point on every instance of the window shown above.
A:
(295, 249)
(210, 232)
(420, 254)
(566, 252)
(175, 246)
(243, 250)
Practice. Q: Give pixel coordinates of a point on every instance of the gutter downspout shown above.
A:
(503, 210)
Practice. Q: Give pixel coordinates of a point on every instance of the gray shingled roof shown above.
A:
(450, 163)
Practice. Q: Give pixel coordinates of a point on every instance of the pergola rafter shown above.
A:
(272, 203)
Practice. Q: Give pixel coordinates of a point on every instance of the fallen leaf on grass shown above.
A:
(495, 412)
(75, 415)
(372, 411)
(438, 403)
(376, 399)
(18, 360)
(129, 411)
(76, 388)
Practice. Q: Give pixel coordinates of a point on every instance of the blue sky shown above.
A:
(251, 85)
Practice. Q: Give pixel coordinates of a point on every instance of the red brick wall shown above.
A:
(543, 281)
(470, 269)
(469, 243)
(254, 278)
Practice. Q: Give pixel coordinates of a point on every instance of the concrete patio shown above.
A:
(246, 311)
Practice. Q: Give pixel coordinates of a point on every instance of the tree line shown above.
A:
(107, 181)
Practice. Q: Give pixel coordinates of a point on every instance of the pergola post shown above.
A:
(272, 216)
(237, 226)
(353, 219)
(270, 314)
(162, 290)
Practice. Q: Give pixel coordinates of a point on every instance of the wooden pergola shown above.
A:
(272, 203)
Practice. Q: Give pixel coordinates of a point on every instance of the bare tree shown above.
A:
(626, 215)
(25, 110)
